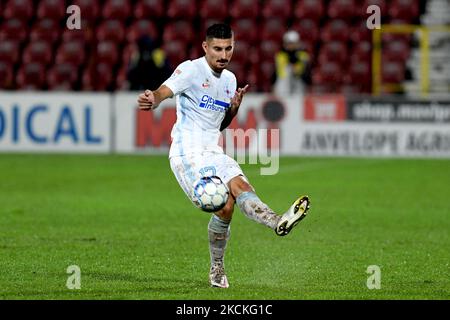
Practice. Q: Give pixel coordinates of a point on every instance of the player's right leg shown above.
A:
(218, 235)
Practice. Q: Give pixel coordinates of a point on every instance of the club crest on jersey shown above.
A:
(205, 84)
(210, 103)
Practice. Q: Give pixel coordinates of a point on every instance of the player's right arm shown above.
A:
(179, 81)
(150, 100)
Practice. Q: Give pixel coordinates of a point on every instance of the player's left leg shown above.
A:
(255, 209)
(250, 204)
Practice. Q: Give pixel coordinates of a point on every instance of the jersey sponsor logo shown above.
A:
(210, 103)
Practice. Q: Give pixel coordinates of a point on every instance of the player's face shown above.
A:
(218, 52)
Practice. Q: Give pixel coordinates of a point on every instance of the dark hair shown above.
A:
(219, 31)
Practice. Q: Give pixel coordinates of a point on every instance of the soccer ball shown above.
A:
(210, 194)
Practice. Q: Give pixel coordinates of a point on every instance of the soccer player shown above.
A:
(207, 101)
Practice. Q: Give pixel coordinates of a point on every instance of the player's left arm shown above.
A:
(234, 107)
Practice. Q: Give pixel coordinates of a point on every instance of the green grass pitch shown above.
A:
(129, 227)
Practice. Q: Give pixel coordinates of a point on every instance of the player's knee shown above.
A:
(226, 213)
(238, 185)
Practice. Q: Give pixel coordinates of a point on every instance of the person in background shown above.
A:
(148, 66)
(292, 66)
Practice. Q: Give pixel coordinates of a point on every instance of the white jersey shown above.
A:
(202, 98)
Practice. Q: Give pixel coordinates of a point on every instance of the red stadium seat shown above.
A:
(273, 29)
(90, 9)
(181, 30)
(13, 29)
(248, 9)
(116, 9)
(277, 8)
(111, 30)
(407, 10)
(196, 52)
(245, 29)
(182, 9)
(309, 9)
(266, 76)
(360, 32)
(140, 28)
(128, 52)
(240, 71)
(252, 78)
(85, 34)
(31, 76)
(176, 52)
(359, 76)
(51, 9)
(97, 77)
(122, 78)
(392, 72)
(327, 74)
(9, 52)
(335, 30)
(47, 30)
(342, 9)
(72, 52)
(362, 51)
(308, 30)
(6, 76)
(106, 52)
(268, 49)
(396, 51)
(145, 9)
(217, 9)
(334, 51)
(241, 52)
(351, 89)
(18, 9)
(39, 52)
(62, 77)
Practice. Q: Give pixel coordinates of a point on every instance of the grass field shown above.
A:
(128, 226)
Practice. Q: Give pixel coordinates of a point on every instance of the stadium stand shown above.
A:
(38, 51)
(436, 12)
(51, 9)
(244, 9)
(182, 9)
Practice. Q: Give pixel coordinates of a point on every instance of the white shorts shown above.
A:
(189, 168)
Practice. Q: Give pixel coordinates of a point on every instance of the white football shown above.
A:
(210, 193)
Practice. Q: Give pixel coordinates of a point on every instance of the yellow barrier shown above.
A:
(377, 84)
